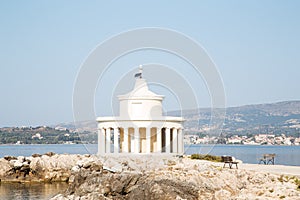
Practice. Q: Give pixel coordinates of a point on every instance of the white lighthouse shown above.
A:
(141, 127)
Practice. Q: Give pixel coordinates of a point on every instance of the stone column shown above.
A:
(116, 140)
(132, 145)
(101, 141)
(148, 140)
(125, 147)
(107, 142)
(180, 141)
(175, 140)
(158, 140)
(136, 140)
(168, 139)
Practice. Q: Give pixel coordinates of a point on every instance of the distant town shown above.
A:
(259, 139)
(62, 135)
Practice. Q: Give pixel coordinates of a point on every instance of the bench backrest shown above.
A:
(226, 158)
(269, 155)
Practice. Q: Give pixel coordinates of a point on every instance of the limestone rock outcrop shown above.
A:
(175, 178)
(49, 167)
(147, 177)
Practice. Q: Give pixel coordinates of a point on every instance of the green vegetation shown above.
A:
(283, 178)
(43, 135)
(287, 178)
(206, 157)
(297, 182)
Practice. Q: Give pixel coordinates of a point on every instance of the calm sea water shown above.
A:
(285, 155)
(29, 191)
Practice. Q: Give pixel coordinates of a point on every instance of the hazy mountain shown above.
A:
(281, 117)
(277, 118)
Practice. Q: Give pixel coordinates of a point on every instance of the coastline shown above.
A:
(163, 176)
(285, 155)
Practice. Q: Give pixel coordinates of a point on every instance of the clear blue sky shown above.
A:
(255, 45)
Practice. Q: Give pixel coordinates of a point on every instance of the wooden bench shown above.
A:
(267, 158)
(228, 160)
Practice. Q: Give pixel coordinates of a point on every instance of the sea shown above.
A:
(285, 155)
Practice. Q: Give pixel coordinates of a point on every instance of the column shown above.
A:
(116, 140)
(125, 147)
(132, 145)
(101, 141)
(168, 139)
(175, 140)
(180, 141)
(107, 142)
(158, 140)
(148, 140)
(136, 140)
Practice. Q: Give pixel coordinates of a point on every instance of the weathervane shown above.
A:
(139, 74)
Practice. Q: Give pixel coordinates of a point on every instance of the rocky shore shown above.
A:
(38, 168)
(147, 177)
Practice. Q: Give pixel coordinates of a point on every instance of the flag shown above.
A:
(138, 75)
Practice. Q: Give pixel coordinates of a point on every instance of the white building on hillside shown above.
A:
(141, 127)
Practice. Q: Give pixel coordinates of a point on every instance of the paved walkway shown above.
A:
(277, 169)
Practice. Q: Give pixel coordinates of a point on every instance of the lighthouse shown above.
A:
(141, 127)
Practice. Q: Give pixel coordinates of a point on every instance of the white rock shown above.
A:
(75, 169)
(18, 164)
(80, 163)
(222, 194)
(59, 197)
(28, 158)
(12, 162)
(5, 166)
(21, 158)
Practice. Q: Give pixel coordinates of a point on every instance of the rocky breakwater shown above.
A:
(154, 177)
(147, 177)
(49, 167)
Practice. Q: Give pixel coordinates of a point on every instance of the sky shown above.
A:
(43, 44)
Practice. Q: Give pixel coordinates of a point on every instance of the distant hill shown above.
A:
(274, 118)
(37, 135)
(284, 108)
(277, 118)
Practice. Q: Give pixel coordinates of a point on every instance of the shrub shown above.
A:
(195, 156)
(206, 157)
(297, 182)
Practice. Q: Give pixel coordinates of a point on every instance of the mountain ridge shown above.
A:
(279, 117)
